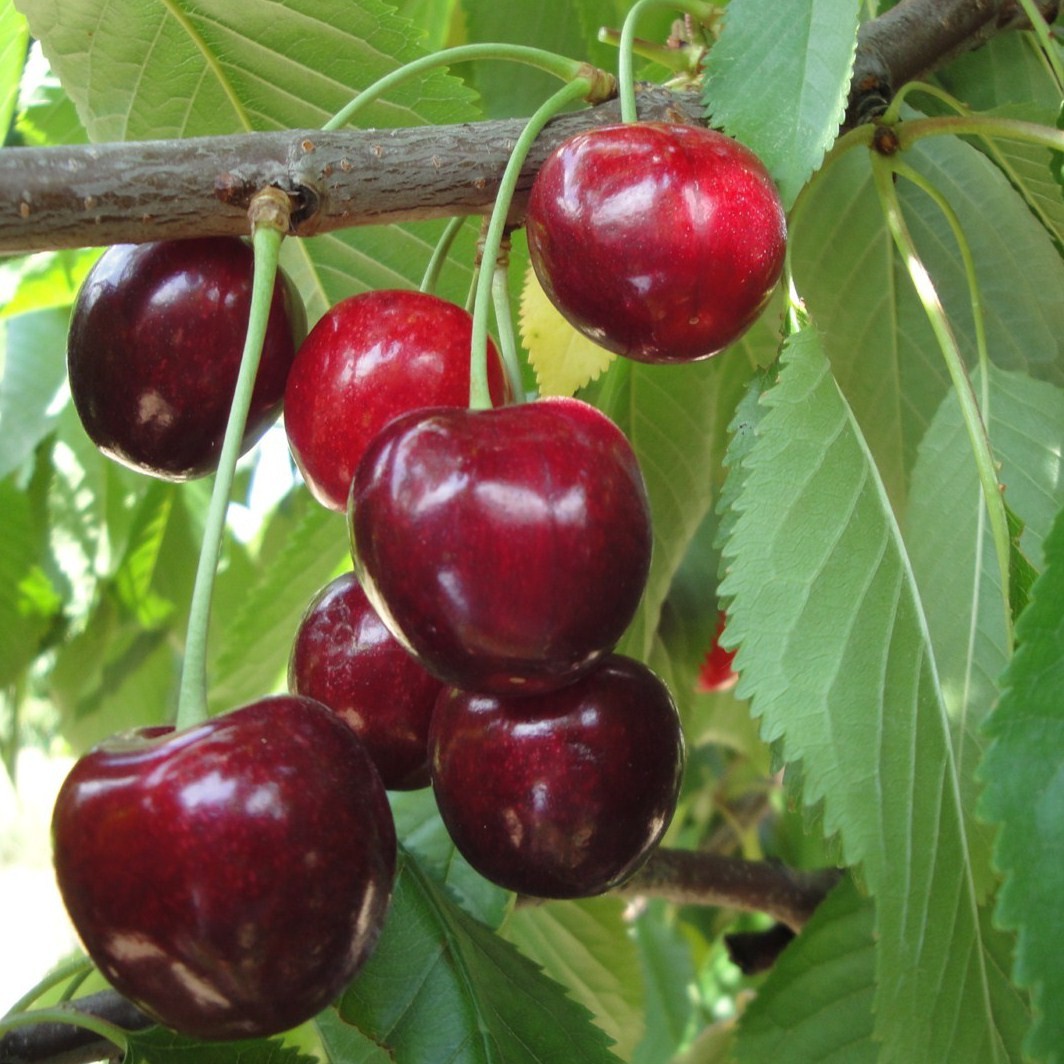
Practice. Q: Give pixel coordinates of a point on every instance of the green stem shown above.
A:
(72, 969)
(504, 323)
(883, 170)
(440, 253)
(479, 395)
(1041, 31)
(70, 1016)
(912, 130)
(560, 66)
(700, 9)
(267, 238)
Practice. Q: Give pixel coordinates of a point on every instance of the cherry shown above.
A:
(371, 357)
(564, 794)
(660, 242)
(716, 672)
(345, 657)
(229, 878)
(154, 349)
(507, 548)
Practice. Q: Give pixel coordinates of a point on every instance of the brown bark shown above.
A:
(132, 192)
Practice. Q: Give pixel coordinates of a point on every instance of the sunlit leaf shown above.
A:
(586, 946)
(799, 56)
(564, 360)
(14, 39)
(835, 653)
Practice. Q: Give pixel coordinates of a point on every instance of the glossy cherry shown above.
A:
(565, 794)
(371, 357)
(154, 349)
(229, 878)
(508, 548)
(662, 242)
(716, 672)
(345, 657)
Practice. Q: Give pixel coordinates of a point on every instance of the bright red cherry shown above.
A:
(716, 672)
(565, 794)
(507, 549)
(345, 657)
(154, 349)
(662, 242)
(371, 357)
(230, 878)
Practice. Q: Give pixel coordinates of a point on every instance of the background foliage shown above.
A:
(826, 495)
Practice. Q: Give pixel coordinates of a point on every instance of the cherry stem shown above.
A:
(883, 172)
(75, 969)
(479, 393)
(269, 212)
(700, 9)
(70, 1016)
(560, 66)
(440, 253)
(504, 322)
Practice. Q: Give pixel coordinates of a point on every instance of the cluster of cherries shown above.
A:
(498, 555)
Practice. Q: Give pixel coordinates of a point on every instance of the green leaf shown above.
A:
(799, 56)
(585, 946)
(441, 986)
(835, 653)
(816, 1005)
(32, 384)
(28, 601)
(344, 1044)
(422, 831)
(1024, 796)
(676, 418)
(250, 655)
(858, 292)
(159, 1046)
(44, 280)
(14, 39)
(953, 557)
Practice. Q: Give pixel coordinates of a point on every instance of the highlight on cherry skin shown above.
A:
(344, 656)
(563, 794)
(370, 358)
(507, 549)
(154, 349)
(230, 878)
(660, 241)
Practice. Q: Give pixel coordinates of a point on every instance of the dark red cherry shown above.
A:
(230, 878)
(507, 549)
(345, 657)
(565, 794)
(662, 242)
(371, 357)
(154, 349)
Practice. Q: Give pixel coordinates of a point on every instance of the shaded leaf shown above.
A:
(834, 651)
(1024, 796)
(817, 1003)
(344, 1044)
(799, 56)
(441, 986)
(159, 1046)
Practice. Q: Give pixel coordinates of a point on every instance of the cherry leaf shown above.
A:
(563, 359)
(442, 986)
(1024, 795)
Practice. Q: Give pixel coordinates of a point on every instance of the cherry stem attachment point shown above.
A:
(560, 66)
(479, 393)
(269, 215)
(699, 9)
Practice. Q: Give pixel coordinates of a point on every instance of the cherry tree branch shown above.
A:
(94, 195)
(688, 877)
